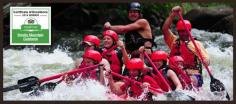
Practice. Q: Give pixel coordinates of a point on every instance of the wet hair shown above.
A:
(163, 65)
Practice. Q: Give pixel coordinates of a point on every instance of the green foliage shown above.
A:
(162, 8)
(216, 4)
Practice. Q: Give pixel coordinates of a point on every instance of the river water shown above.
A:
(18, 64)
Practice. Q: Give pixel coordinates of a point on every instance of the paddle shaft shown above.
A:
(10, 88)
(198, 51)
(185, 78)
(158, 72)
(68, 72)
(136, 82)
(30, 83)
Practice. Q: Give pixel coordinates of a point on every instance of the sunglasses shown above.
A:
(87, 45)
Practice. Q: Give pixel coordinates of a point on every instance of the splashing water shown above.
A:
(18, 64)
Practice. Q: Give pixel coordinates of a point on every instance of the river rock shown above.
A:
(212, 19)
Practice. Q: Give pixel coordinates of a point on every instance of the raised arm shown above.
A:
(141, 23)
(124, 52)
(169, 37)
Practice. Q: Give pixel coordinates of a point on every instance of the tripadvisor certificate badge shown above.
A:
(30, 26)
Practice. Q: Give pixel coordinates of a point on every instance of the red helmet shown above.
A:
(92, 54)
(159, 55)
(112, 34)
(135, 64)
(174, 59)
(93, 39)
(180, 25)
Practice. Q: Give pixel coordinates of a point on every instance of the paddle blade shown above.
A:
(216, 85)
(27, 84)
(227, 96)
(50, 86)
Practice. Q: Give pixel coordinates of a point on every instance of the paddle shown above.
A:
(32, 82)
(177, 95)
(215, 84)
(184, 77)
(159, 74)
(136, 82)
(174, 95)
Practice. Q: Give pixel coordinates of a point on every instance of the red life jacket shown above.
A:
(114, 60)
(82, 65)
(159, 81)
(89, 73)
(136, 90)
(92, 74)
(190, 59)
(183, 77)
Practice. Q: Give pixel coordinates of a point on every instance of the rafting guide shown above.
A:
(30, 26)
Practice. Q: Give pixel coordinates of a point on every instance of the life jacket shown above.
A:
(136, 90)
(169, 81)
(91, 74)
(163, 70)
(191, 61)
(82, 65)
(183, 77)
(133, 40)
(115, 59)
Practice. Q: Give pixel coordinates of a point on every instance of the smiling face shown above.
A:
(133, 15)
(158, 63)
(108, 41)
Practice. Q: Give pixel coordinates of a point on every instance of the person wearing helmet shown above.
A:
(160, 58)
(90, 58)
(176, 63)
(90, 42)
(137, 32)
(184, 47)
(135, 67)
(115, 56)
